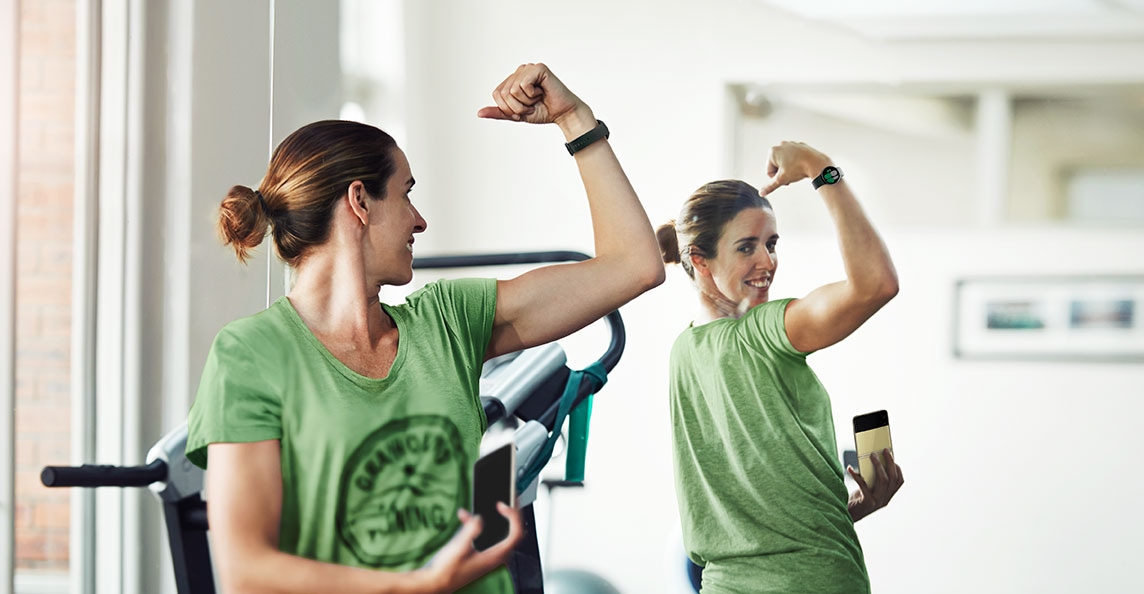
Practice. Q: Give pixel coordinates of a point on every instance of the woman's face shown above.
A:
(744, 268)
(393, 222)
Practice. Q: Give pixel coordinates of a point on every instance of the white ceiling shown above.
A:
(977, 19)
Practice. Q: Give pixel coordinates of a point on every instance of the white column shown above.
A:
(994, 150)
(114, 388)
(81, 546)
(9, 77)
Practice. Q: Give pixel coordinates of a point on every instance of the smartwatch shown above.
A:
(587, 138)
(830, 175)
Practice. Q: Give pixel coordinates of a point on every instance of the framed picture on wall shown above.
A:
(1041, 318)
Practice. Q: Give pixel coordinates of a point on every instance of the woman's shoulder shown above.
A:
(470, 295)
(451, 287)
(765, 326)
(772, 311)
(274, 323)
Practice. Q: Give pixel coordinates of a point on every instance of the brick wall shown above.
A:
(46, 104)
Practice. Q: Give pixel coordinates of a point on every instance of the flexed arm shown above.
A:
(834, 311)
(554, 301)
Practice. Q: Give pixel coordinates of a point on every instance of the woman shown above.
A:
(341, 431)
(760, 488)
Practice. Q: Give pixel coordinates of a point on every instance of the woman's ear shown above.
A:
(358, 201)
(698, 263)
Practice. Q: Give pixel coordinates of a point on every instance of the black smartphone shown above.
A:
(871, 436)
(494, 479)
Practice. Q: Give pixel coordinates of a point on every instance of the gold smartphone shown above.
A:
(871, 436)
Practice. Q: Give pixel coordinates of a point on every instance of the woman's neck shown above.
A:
(333, 297)
(714, 306)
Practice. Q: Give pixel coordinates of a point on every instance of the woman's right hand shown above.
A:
(533, 94)
(790, 162)
(458, 563)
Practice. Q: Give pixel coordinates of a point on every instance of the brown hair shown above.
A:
(702, 219)
(310, 170)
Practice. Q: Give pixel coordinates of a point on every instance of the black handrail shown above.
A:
(104, 475)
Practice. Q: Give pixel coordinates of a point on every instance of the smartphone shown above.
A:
(494, 479)
(871, 436)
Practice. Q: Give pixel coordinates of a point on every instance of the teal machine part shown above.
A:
(578, 423)
(577, 428)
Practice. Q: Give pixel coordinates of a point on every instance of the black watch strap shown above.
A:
(582, 141)
(829, 175)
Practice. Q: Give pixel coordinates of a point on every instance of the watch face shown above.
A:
(831, 175)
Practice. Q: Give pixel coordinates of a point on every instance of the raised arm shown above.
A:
(554, 301)
(834, 311)
(244, 488)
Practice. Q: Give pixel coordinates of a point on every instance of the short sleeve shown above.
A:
(233, 402)
(765, 326)
(469, 306)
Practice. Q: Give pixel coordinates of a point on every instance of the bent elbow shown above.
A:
(878, 292)
(642, 280)
(635, 277)
(648, 276)
(655, 277)
(889, 288)
(240, 572)
(645, 274)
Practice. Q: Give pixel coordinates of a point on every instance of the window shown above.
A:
(44, 195)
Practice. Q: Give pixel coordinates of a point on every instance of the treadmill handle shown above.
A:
(104, 475)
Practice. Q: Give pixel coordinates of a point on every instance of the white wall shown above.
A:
(1018, 475)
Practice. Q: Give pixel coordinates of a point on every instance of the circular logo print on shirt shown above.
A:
(400, 491)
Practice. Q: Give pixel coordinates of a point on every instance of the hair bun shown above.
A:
(668, 240)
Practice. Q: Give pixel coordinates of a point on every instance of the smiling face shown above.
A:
(393, 223)
(739, 276)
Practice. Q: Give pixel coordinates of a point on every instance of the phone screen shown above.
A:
(871, 436)
(494, 479)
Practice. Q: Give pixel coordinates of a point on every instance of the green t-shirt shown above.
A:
(758, 480)
(373, 470)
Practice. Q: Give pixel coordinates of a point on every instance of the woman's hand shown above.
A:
(458, 563)
(533, 94)
(790, 162)
(866, 500)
